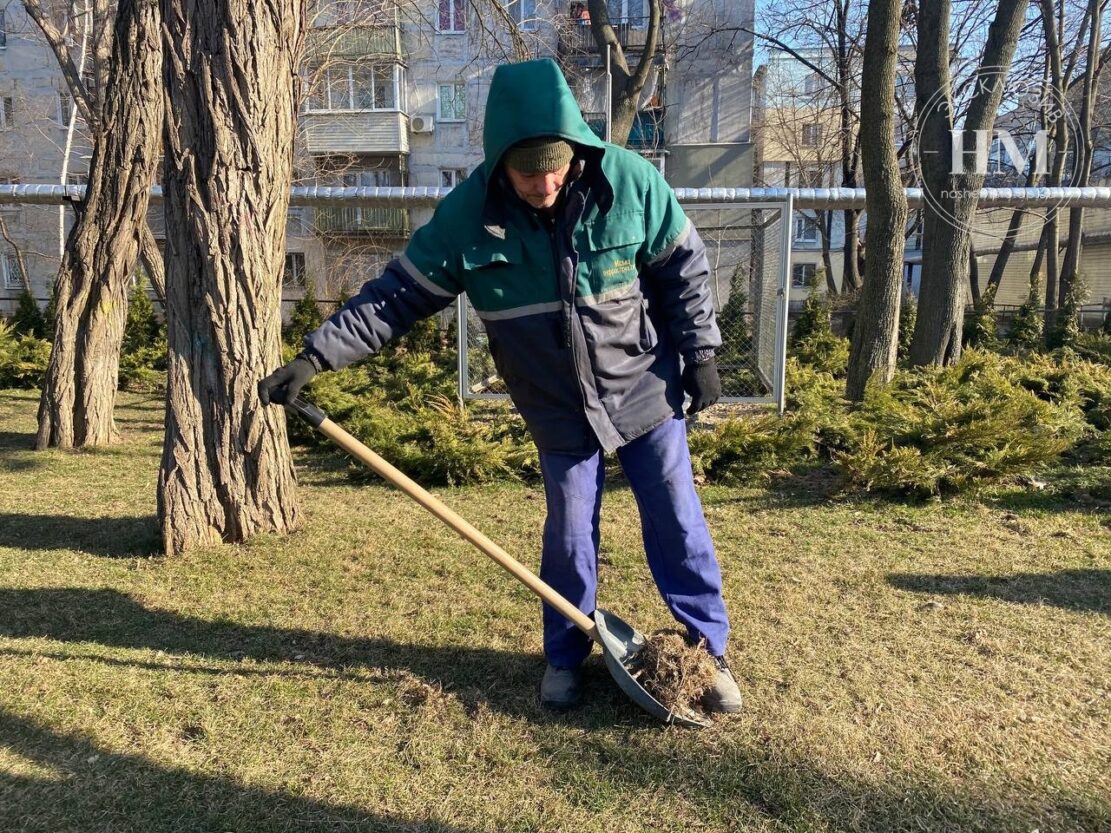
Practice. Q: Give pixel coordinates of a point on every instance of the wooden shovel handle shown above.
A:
(317, 418)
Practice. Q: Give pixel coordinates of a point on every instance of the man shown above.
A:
(592, 284)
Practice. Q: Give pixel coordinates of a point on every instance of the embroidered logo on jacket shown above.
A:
(620, 267)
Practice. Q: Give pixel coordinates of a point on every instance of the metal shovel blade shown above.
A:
(620, 643)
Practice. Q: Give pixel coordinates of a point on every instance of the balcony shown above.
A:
(381, 42)
(354, 132)
(647, 132)
(576, 39)
(358, 221)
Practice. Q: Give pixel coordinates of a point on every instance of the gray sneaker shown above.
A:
(561, 689)
(724, 696)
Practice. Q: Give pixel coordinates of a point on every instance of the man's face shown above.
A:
(539, 190)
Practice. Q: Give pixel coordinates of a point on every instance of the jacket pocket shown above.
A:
(491, 255)
(610, 249)
(648, 336)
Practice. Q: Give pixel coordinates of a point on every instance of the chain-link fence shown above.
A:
(760, 257)
(745, 245)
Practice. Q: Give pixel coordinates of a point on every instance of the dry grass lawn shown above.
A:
(934, 667)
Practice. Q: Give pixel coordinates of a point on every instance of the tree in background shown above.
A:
(232, 89)
(947, 219)
(90, 292)
(628, 82)
(874, 341)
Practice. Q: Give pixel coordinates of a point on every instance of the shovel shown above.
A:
(619, 640)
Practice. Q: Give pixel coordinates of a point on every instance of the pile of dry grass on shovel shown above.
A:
(673, 671)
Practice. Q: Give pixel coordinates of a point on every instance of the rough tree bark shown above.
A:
(948, 217)
(875, 336)
(231, 76)
(79, 391)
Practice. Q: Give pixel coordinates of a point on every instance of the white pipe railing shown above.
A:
(823, 198)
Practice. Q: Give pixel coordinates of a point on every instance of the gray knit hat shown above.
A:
(539, 155)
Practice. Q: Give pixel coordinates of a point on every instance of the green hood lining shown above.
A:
(527, 100)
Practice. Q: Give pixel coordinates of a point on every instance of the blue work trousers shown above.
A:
(676, 540)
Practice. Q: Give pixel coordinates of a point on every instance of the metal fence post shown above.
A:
(784, 298)
(461, 345)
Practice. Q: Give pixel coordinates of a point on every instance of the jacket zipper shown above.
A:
(565, 320)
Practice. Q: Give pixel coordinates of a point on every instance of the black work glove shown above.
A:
(282, 386)
(701, 381)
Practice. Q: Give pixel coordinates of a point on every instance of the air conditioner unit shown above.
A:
(421, 124)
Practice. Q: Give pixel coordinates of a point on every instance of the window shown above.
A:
(369, 178)
(453, 16)
(354, 87)
(811, 135)
(7, 112)
(3, 31)
(453, 101)
(629, 12)
(523, 13)
(802, 274)
(806, 229)
(358, 13)
(450, 177)
(812, 84)
(9, 266)
(361, 216)
(811, 176)
(65, 108)
(7, 208)
(294, 274)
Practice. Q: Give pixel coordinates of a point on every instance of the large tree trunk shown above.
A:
(875, 336)
(953, 197)
(1083, 145)
(232, 85)
(1060, 130)
(79, 391)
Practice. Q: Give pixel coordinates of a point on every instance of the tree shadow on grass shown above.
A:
(112, 537)
(731, 785)
(99, 790)
(1086, 590)
(17, 441)
(501, 680)
(765, 784)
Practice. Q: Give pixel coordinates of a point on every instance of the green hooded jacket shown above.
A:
(586, 313)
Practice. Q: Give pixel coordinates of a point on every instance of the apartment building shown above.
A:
(393, 95)
(40, 141)
(798, 137)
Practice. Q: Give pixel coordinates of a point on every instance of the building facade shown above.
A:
(393, 95)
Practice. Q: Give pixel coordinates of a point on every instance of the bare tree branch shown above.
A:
(57, 41)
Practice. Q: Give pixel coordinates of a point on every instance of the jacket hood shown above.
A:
(531, 99)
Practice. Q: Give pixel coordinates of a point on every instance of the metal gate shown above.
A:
(748, 246)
